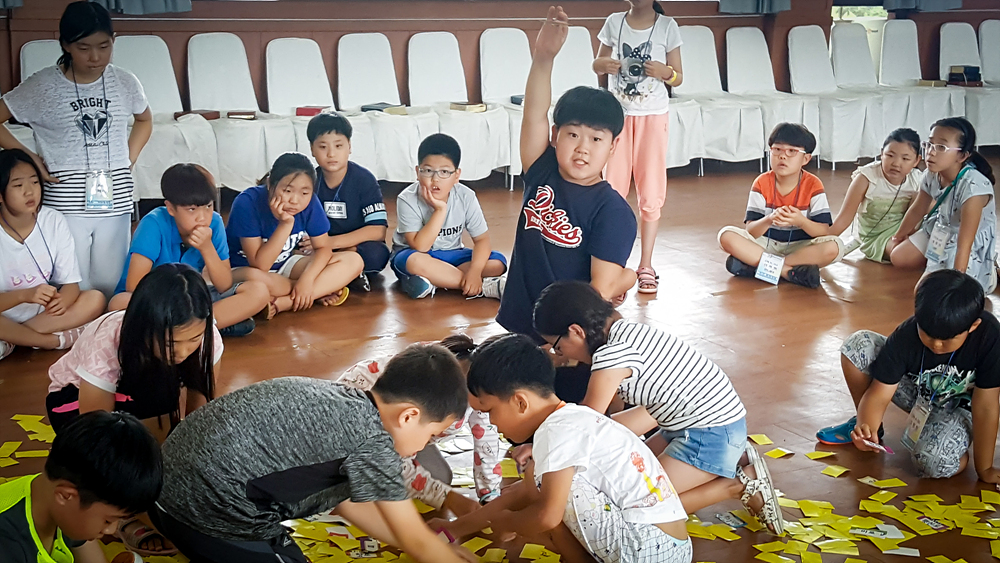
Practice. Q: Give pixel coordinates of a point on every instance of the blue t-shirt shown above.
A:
(561, 226)
(251, 217)
(158, 239)
(357, 202)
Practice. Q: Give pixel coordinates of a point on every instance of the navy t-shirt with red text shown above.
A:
(560, 227)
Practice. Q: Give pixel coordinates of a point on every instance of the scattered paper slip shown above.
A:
(907, 551)
(819, 455)
(509, 469)
(475, 544)
(760, 439)
(32, 453)
(8, 448)
(422, 507)
(987, 496)
(883, 496)
(770, 547)
(778, 452)
(773, 558)
(835, 470)
(493, 555)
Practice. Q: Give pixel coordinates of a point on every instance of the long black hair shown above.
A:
(169, 296)
(81, 19)
(658, 8)
(967, 140)
(8, 160)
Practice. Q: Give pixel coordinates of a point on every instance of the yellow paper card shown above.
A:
(926, 498)
(33, 453)
(752, 523)
(770, 547)
(493, 555)
(884, 545)
(812, 508)
(853, 560)
(835, 470)
(760, 439)
(889, 483)
(774, 558)
(818, 455)
(810, 557)
(7, 462)
(795, 547)
(778, 452)
(346, 544)
(554, 558)
(475, 544)
(724, 532)
(509, 469)
(9, 448)
(487, 531)
(883, 496)
(988, 496)
(939, 559)
(995, 548)
(532, 551)
(421, 507)
(978, 533)
(788, 503)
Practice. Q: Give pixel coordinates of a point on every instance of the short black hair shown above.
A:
(110, 457)
(188, 184)
(573, 302)
(591, 107)
(324, 123)
(289, 164)
(440, 144)
(508, 364)
(427, 375)
(947, 303)
(906, 136)
(794, 134)
(10, 158)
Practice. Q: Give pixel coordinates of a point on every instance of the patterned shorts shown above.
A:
(946, 436)
(599, 526)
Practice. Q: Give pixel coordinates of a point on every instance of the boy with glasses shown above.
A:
(787, 218)
(432, 214)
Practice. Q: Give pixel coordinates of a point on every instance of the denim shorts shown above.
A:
(455, 257)
(219, 296)
(716, 450)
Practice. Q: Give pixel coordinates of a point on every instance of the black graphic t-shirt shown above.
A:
(560, 227)
(355, 203)
(946, 377)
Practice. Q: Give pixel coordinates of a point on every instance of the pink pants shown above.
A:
(642, 152)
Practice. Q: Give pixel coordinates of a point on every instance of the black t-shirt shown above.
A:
(560, 227)
(355, 203)
(948, 376)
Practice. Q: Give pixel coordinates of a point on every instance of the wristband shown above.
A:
(672, 77)
(489, 497)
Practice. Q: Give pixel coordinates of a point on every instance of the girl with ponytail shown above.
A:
(957, 206)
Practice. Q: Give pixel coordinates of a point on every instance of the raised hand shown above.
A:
(553, 34)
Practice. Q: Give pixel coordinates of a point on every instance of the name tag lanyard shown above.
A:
(621, 28)
(24, 243)
(99, 183)
(921, 410)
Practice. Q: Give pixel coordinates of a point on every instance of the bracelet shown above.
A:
(491, 496)
(672, 77)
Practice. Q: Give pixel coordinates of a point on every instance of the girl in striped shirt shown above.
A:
(702, 437)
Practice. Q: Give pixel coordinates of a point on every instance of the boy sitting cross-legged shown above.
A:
(432, 214)
(103, 468)
(594, 486)
(188, 230)
(787, 215)
(350, 194)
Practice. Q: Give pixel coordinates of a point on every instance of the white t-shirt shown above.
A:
(464, 214)
(609, 457)
(648, 96)
(879, 187)
(678, 385)
(48, 253)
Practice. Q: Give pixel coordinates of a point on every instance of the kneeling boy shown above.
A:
(594, 485)
(432, 214)
(787, 215)
(941, 365)
(350, 195)
(103, 467)
(291, 447)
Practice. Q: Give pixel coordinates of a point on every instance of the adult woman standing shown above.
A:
(79, 111)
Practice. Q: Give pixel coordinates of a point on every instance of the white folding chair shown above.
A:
(989, 51)
(219, 79)
(38, 54)
(573, 65)
(899, 66)
(733, 125)
(850, 124)
(982, 105)
(748, 64)
(296, 77)
(437, 78)
(367, 75)
(187, 139)
(504, 62)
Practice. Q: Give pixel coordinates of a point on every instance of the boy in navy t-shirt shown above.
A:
(350, 194)
(573, 225)
(188, 230)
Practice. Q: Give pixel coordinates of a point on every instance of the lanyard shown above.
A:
(648, 40)
(947, 192)
(24, 243)
(104, 102)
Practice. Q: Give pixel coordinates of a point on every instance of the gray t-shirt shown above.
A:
(285, 448)
(71, 121)
(464, 214)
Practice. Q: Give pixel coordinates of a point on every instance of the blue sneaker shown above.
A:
(241, 328)
(841, 434)
(417, 287)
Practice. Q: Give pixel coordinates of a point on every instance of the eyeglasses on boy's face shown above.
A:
(786, 151)
(554, 349)
(431, 173)
(933, 148)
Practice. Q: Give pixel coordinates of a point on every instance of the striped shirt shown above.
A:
(808, 197)
(679, 386)
(69, 196)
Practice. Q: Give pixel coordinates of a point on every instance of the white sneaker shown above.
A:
(493, 287)
(5, 349)
(69, 337)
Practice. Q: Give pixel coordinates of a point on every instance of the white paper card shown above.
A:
(769, 269)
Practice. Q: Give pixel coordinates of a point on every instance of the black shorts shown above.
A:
(200, 548)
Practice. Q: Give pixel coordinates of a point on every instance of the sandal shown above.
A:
(268, 312)
(134, 539)
(334, 300)
(770, 513)
(648, 280)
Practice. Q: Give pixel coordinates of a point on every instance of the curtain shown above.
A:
(754, 6)
(923, 5)
(140, 7)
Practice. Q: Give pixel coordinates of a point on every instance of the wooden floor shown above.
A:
(779, 345)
